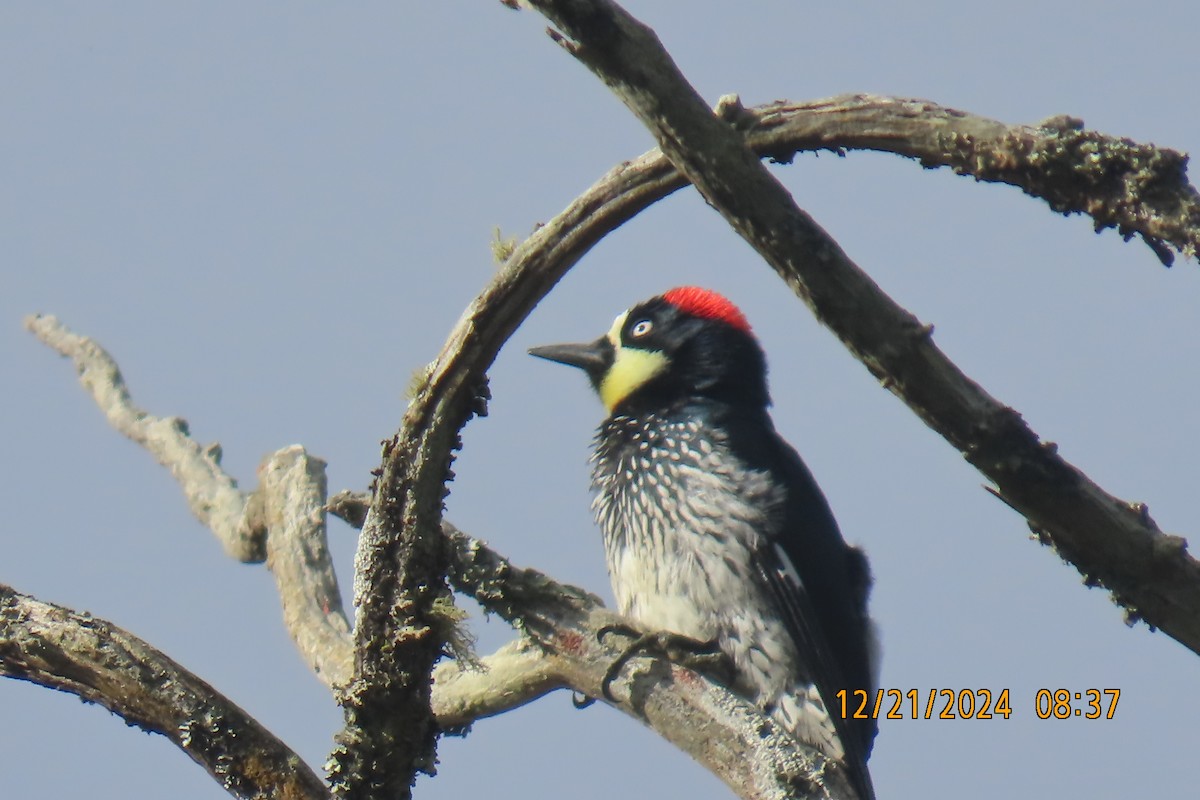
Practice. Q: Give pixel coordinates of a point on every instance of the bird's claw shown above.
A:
(619, 628)
(705, 657)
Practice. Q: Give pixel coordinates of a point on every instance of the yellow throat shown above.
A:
(631, 367)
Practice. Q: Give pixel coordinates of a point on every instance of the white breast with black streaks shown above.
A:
(681, 518)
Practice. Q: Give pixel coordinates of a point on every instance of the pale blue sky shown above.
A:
(272, 213)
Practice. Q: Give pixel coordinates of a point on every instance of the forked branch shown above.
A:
(283, 522)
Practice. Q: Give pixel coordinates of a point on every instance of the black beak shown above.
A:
(594, 358)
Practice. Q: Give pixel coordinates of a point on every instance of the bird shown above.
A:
(714, 528)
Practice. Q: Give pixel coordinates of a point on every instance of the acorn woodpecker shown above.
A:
(713, 527)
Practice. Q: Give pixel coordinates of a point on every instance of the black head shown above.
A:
(686, 343)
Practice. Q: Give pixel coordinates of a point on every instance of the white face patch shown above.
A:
(631, 367)
(614, 333)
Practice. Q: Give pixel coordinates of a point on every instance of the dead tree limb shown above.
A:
(282, 522)
(100, 663)
(1138, 189)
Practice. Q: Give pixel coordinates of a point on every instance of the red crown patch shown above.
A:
(707, 304)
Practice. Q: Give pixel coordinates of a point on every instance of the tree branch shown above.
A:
(1136, 188)
(291, 498)
(100, 663)
(518, 673)
(282, 522)
(211, 493)
(1113, 543)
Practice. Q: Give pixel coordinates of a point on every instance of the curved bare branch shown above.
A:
(1136, 188)
(100, 663)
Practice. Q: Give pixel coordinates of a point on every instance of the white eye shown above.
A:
(641, 328)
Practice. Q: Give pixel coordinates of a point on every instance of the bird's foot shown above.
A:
(703, 657)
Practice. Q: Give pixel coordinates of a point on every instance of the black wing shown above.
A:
(818, 660)
(821, 584)
(835, 577)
